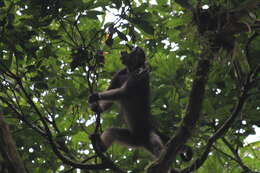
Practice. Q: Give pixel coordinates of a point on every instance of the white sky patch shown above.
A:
(216, 122)
(18, 13)
(91, 121)
(38, 38)
(35, 99)
(174, 46)
(253, 138)
(205, 7)
(112, 14)
(218, 91)
(86, 152)
(61, 168)
(31, 150)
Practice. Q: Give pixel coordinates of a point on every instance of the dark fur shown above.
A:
(130, 89)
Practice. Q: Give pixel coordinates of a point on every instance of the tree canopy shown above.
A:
(205, 83)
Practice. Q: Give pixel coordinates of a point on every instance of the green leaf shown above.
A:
(141, 8)
(80, 137)
(175, 22)
(94, 14)
(184, 3)
(254, 52)
(143, 25)
(54, 34)
(42, 51)
(118, 3)
(162, 2)
(5, 64)
(101, 3)
(19, 48)
(108, 24)
(242, 59)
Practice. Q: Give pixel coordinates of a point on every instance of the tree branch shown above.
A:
(174, 145)
(8, 148)
(248, 44)
(221, 131)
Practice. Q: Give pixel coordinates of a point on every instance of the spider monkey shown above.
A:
(129, 88)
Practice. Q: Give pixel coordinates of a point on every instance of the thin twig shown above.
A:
(235, 153)
(22, 117)
(68, 34)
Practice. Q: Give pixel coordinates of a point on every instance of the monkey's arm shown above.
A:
(116, 89)
(105, 99)
(100, 102)
(112, 94)
(105, 104)
(98, 105)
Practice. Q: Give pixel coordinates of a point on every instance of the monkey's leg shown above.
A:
(149, 140)
(119, 135)
(155, 144)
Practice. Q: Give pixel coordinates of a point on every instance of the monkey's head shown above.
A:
(133, 60)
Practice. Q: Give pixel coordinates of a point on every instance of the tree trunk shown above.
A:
(162, 165)
(8, 149)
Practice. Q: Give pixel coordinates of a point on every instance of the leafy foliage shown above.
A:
(55, 53)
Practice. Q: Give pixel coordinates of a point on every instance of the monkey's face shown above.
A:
(134, 59)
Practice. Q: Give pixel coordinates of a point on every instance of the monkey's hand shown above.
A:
(97, 142)
(95, 107)
(93, 98)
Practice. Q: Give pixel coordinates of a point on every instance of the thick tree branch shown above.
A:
(8, 149)
(222, 130)
(192, 115)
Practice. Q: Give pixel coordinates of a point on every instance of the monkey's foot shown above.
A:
(97, 142)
